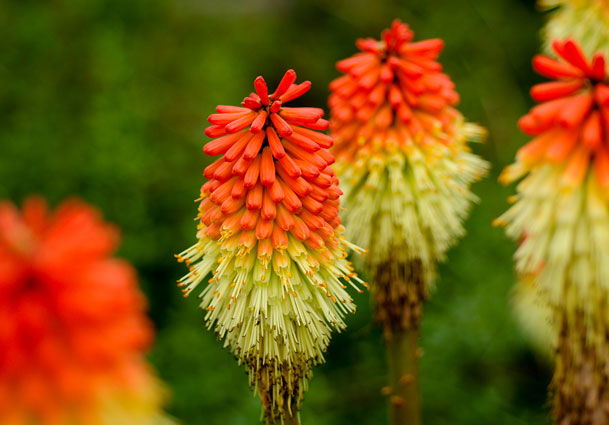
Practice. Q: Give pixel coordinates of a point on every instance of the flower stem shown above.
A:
(399, 291)
(578, 389)
(403, 358)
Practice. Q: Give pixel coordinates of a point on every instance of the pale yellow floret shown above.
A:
(564, 241)
(405, 205)
(280, 309)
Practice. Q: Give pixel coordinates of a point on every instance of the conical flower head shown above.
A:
(270, 234)
(561, 217)
(586, 21)
(72, 322)
(401, 150)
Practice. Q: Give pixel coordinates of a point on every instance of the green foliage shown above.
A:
(107, 100)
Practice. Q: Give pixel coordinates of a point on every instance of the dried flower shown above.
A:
(562, 208)
(72, 322)
(404, 164)
(586, 21)
(270, 234)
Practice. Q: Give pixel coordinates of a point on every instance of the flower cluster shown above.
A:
(586, 21)
(401, 154)
(561, 217)
(72, 323)
(270, 234)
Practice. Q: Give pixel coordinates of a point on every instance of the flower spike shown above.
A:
(404, 164)
(270, 235)
(561, 218)
(406, 170)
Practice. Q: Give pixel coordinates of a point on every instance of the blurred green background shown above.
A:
(107, 100)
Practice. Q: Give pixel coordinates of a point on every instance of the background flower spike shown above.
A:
(561, 218)
(270, 235)
(406, 172)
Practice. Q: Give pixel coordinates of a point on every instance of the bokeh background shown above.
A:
(108, 99)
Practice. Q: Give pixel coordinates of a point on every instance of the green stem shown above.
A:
(403, 359)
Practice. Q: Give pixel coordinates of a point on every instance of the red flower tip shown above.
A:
(274, 172)
(260, 110)
(286, 82)
(572, 121)
(262, 90)
(574, 65)
(392, 85)
(396, 36)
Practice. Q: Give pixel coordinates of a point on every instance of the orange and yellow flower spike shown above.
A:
(73, 328)
(586, 21)
(270, 235)
(404, 164)
(561, 218)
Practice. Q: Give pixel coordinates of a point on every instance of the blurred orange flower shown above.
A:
(72, 322)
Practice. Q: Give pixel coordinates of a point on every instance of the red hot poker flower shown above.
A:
(571, 123)
(402, 156)
(72, 322)
(270, 233)
(405, 167)
(561, 216)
